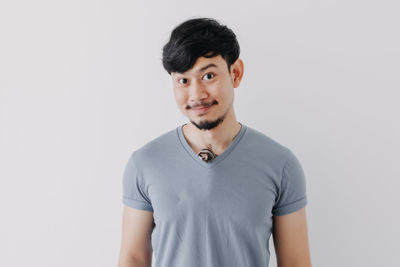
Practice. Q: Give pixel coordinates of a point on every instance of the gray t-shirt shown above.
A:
(218, 213)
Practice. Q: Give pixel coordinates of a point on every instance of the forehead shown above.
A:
(203, 62)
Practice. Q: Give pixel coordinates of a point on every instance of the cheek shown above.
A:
(180, 96)
(226, 94)
(223, 90)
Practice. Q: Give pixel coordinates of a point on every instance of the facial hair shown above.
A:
(206, 125)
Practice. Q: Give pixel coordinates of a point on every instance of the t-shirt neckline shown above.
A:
(220, 157)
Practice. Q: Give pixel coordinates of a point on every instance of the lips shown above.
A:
(201, 109)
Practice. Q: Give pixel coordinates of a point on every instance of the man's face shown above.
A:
(207, 84)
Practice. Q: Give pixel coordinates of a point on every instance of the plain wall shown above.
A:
(82, 86)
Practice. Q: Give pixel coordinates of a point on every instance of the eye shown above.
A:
(184, 81)
(208, 75)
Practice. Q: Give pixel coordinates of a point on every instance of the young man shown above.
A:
(210, 193)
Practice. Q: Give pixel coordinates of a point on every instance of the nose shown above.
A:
(197, 92)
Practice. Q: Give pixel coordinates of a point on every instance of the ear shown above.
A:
(237, 69)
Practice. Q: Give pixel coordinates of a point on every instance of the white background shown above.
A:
(82, 86)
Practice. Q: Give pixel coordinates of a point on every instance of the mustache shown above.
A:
(202, 104)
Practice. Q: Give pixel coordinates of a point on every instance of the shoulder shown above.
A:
(157, 147)
(264, 146)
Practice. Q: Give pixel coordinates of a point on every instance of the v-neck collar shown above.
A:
(220, 157)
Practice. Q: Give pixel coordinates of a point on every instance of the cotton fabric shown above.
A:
(218, 213)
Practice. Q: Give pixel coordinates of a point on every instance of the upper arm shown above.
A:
(290, 236)
(138, 221)
(137, 226)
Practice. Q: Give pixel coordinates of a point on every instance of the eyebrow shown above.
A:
(207, 66)
(202, 68)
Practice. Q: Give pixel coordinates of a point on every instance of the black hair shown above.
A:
(199, 37)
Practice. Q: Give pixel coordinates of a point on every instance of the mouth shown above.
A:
(201, 109)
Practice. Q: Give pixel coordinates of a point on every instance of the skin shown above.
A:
(213, 85)
(216, 128)
(137, 226)
(290, 236)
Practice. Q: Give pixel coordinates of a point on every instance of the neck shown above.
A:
(219, 138)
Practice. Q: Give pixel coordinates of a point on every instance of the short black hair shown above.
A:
(199, 37)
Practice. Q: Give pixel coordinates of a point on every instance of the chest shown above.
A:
(237, 196)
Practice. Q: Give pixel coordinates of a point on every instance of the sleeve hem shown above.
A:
(136, 204)
(294, 206)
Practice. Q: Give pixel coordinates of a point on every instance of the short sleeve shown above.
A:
(133, 194)
(292, 194)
